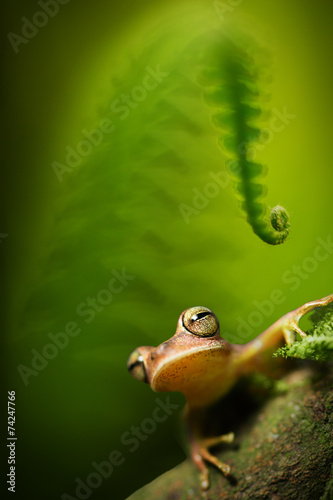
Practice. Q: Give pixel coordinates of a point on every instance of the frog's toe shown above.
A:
(200, 455)
(224, 438)
(204, 474)
(224, 468)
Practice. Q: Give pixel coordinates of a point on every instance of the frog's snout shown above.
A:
(136, 363)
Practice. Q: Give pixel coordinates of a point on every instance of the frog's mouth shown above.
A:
(179, 368)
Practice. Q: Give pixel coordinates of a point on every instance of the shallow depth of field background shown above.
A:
(120, 209)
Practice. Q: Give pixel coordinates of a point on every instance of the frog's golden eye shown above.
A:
(136, 366)
(200, 321)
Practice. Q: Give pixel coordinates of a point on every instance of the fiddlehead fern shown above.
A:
(231, 81)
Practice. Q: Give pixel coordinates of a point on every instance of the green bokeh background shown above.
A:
(120, 209)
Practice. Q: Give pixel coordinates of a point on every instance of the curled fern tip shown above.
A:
(280, 223)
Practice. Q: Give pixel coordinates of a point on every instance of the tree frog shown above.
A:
(203, 366)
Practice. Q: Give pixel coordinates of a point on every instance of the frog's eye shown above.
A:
(200, 321)
(136, 366)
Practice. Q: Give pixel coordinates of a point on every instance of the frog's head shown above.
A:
(180, 361)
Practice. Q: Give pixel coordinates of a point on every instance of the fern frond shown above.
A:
(231, 81)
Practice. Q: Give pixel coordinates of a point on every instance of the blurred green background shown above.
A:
(120, 209)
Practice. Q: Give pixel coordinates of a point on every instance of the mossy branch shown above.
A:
(283, 449)
(231, 78)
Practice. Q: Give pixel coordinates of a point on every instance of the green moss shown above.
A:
(328, 494)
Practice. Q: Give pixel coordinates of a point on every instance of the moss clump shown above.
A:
(318, 345)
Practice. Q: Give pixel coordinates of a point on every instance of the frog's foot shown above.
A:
(200, 454)
(291, 320)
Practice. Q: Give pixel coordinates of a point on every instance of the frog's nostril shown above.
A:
(161, 349)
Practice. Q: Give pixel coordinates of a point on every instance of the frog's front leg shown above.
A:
(290, 322)
(200, 447)
(284, 329)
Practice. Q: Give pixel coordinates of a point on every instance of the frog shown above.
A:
(199, 363)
